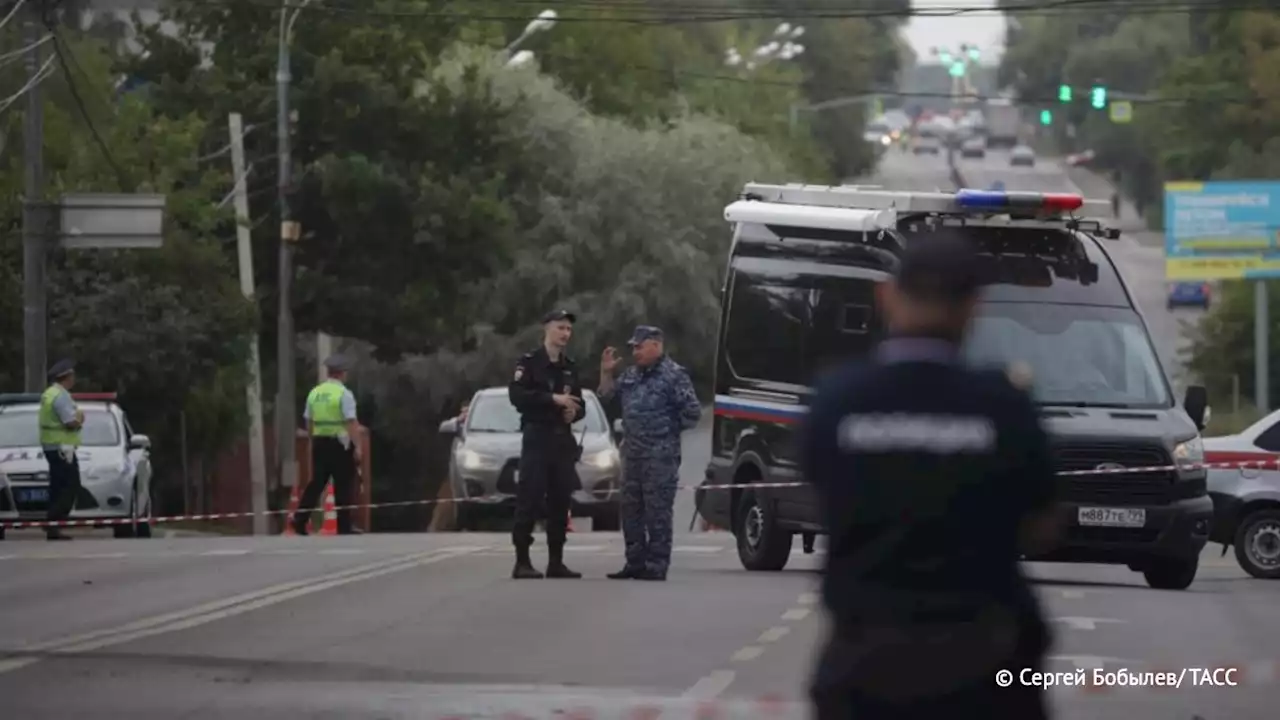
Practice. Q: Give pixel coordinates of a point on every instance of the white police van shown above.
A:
(798, 297)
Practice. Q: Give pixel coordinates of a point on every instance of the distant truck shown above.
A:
(1003, 124)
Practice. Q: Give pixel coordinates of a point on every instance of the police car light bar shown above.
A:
(999, 200)
(99, 396)
(832, 218)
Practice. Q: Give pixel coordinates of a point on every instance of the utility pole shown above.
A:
(253, 392)
(286, 425)
(35, 216)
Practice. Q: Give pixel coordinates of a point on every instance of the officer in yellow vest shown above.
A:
(335, 450)
(60, 424)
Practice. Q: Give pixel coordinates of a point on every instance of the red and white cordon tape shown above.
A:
(1271, 464)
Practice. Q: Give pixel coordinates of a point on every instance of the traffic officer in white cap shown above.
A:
(60, 425)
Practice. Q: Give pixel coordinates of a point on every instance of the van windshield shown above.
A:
(1078, 355)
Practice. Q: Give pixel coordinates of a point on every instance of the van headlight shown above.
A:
(1189, 452)
(603, 460)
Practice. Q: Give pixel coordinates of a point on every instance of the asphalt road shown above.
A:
(430, 626)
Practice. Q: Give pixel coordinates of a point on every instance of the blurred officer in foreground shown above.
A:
(547, 392)
(930, 474)
(335, 446)
(60, 424)
(658, 403)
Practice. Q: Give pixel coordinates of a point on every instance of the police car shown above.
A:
(798, 298)
(115, 465)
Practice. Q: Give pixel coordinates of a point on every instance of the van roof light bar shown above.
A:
(963, 202)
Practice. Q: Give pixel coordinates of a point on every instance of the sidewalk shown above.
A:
(1095, 186)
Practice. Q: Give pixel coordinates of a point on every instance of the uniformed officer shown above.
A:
(933, 478)
(335, 447)
(658, 403)
(546, 390)
(60, 424)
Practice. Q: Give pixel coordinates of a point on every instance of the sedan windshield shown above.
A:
(494, 413)
(1078, 355)
(20, 428)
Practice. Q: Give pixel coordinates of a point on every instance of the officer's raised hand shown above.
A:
(566, 401)
(609, 360)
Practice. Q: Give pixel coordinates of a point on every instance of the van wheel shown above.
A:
(1171, 573)
(1257, 544)
(762, 545)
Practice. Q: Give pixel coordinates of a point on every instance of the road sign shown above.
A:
(1121, 111)
(111, 221)
(1222, 230)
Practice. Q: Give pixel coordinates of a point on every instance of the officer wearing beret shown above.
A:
(933, 479)
(60, 424)
(547, 392)
(335, 448)
(658, 403)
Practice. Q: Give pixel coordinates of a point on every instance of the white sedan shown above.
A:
(115, 466)
(1246, 501)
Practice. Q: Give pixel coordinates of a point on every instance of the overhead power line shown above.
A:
(44, 72)
(62, 55)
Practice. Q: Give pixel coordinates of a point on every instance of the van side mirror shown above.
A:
(1196, 403)
(449, 427)
(139, 442)
(617, 429)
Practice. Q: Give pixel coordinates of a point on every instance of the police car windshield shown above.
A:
(494, 413)
(1078, 355)
(20, 428)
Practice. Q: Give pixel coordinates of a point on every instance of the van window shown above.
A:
(769, 320)
(845, 324)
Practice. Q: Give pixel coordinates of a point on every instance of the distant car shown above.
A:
(1023, 156)
(115, 465)
(926, 145)
(1189, 294)
(974, 147)
(485, 462)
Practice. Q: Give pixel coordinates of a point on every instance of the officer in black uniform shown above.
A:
(933, 478)
(548, 393)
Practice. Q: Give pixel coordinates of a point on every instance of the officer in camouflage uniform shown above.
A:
(658, 403)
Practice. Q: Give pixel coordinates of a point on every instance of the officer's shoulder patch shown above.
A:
(519, 372)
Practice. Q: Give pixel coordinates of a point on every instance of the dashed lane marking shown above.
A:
(708, 549)
(750, 652)
(808, 599)
(717, 682)
(773, 634)
(223, 608)
(225, 551)
(1086, 623)
(796, 614)
(710, 687)
(1073, 594)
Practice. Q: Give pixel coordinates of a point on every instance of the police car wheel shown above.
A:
(1257, 544)
(1171, 573)
(762, 545)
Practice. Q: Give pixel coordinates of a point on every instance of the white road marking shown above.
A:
(750, 652)
(1085, 623)
(341, 551)
(1073, 594)
(773, 634)
(796, 614)
(225, 551)
(98, 556)
(708, 549)
(711, 686)
(230, 607)
(808, 599)
(585, 548)
(7, 557)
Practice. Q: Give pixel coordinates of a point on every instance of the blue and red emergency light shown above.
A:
(997, 200)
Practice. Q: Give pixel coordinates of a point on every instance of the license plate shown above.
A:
(31, 495)
(1112, 517)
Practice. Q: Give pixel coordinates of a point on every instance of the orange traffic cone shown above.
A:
(293, 508)
(330, 526)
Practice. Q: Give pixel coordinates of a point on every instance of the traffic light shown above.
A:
(1046, 117)
(957, 69)
(974, 53)
(1098, 97)
(1064, 93)
(945, 57)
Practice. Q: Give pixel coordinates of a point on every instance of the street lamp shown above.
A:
(290, 232)
(544, 21)
(524, 57)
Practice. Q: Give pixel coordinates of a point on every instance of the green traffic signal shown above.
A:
(974, 53)
(1064, 93)
(1046, 117)
(957, 69)
(1098, 97)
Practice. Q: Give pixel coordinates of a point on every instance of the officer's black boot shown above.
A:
(524, 566)
(556, 567)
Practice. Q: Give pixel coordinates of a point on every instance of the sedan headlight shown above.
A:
(603, 460)
(1190, 452)
(104, 473)
(472, 460)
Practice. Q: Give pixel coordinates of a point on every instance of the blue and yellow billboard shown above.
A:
(1221, 230)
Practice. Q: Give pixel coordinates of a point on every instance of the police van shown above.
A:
(798, 298)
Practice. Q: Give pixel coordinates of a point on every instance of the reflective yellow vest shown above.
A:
(52, 431)
(325, 403)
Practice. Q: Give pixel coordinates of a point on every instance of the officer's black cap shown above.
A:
(945, 267)
(337, 363)
(61, 369)
(645, 332)
(555, 315)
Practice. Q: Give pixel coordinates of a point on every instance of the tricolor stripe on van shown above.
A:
(740, 408)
